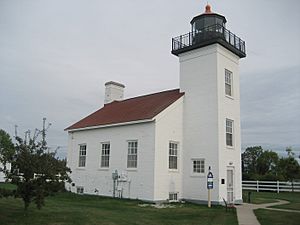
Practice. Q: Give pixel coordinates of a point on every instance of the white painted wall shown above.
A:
(152, 180)
(2, 175)
(202, 77)
(141, 183)
(2, 179)
(168, 127)
(229, 108)
(198, 79)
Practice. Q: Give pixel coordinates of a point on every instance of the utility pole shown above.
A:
(44, 132)
(16, 132)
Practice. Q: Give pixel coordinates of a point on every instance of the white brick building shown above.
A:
(161, 145)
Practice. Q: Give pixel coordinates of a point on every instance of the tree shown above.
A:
(267, 163)
(289, 167)
(6, 149)
(258, 164)
(290, 152)
(35, 171)
(250, 160)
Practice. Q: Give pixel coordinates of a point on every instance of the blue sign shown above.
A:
(210, 183)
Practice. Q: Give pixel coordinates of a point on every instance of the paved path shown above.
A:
(246, 215)
(284, 210)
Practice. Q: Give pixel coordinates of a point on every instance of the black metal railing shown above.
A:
(213, 32)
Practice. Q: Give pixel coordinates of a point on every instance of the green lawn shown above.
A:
(267, 197)
(7, 186)
(67, 208)
(257, 197)
(268, 217)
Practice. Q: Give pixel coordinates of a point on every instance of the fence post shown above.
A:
(277, 186)
(257, 188)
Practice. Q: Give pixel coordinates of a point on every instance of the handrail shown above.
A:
(214, 31)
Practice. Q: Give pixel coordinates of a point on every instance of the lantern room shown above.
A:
(207, 19)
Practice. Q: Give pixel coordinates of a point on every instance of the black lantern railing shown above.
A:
(207, 35)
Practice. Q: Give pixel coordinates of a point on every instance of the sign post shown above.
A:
(210, 186)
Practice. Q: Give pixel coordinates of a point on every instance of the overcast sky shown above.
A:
(56, 55)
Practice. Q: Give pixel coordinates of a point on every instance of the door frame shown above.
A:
(230, 168)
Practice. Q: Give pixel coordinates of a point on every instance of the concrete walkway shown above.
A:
(246, 215)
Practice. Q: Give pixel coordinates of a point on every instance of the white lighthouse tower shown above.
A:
(209, 75)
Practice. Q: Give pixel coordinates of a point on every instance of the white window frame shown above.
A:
(200, 166)
(229, 131)
(173, 196)
(79, 190)
(228, 83)
(173, 155)
(105, 154)
(82, 155)
(132, 154)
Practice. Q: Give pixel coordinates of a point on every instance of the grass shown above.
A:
(267, 197)
(257, 198)
(7, 186)
(268, 217)
(68, 208)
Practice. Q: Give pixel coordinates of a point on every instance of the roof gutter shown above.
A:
(111, 125)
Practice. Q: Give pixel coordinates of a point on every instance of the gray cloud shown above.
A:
(270, 107)
(56, 55)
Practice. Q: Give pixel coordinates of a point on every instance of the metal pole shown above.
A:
(44, 131)
(114, 189)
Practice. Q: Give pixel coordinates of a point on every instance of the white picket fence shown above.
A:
(277, 186)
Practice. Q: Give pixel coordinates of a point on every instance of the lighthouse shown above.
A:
(178, 144)
(209, 76)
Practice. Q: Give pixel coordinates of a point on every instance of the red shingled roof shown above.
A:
(133, 109)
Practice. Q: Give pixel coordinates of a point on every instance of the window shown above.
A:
(173, 197)
(228, 82)
(229, 132)
(173, 151)
(105, 154)
(79, 190)
(198, 166)
(132, 154)
(82, 155)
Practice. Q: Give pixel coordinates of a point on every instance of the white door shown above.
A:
(230, 186)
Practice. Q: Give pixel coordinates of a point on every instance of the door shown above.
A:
(230, 186)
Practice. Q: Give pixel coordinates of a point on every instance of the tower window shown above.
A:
(229, 132)
(198, 166)
(105, 151)
(228, 82)
(82, 155)
(173, 151)
(132, 154)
